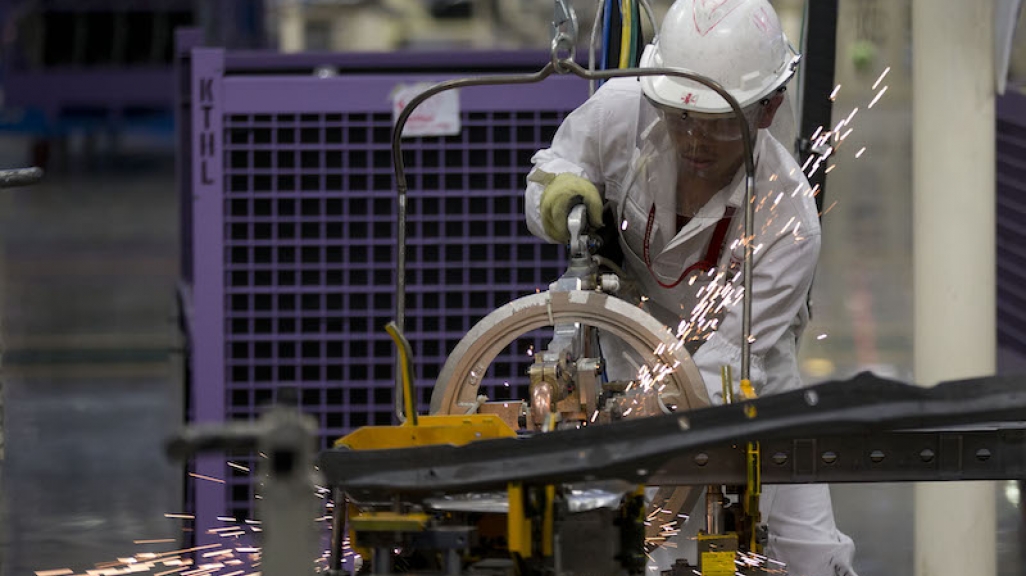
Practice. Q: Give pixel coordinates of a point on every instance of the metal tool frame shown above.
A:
(562, 62)
(997, 453)
(636, 450)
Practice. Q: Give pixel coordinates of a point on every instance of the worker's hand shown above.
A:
(560, 195)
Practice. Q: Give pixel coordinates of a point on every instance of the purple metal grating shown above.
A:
(293, 242)
(1011, 213)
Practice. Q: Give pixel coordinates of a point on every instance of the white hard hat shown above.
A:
(738, 43)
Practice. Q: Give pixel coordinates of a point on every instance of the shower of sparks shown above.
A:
(840, 124)
(882, 76)
(229, 558)
(815, 167)
(878, 95)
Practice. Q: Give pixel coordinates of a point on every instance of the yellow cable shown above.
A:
(407, 373)
(625, 33)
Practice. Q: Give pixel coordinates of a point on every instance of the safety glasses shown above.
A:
(720, 127)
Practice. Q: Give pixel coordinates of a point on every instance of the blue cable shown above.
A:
(607, 17)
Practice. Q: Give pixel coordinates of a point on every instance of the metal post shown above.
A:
(338, 532)
(954, 255)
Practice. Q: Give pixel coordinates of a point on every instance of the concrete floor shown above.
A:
(88, 273)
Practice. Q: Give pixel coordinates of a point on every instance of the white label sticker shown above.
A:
(439, 115)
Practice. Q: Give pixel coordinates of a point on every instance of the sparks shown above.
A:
(860, 152)
(833, 95)
(238, 467)
(172, 571)
(156, 541)
(878, 95)
(882, 76)
(788, 225)
(207, 478)
(821, 337)
(815, 167)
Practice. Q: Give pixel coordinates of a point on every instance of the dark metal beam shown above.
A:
(914, 456)
(634, 450)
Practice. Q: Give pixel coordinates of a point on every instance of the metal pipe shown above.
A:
(568, 66)
(20, 177)
(713, 510)
(338, 528)
(600, 13)
(647, 7)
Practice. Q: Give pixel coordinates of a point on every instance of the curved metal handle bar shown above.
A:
(563, 67)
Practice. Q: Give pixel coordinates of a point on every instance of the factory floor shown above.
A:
(88, 266)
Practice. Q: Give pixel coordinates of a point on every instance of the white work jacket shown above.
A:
(596, 142)
(599, 142)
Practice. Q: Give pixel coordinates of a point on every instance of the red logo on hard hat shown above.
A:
(709, 13)
(762, 20)
(691, 98)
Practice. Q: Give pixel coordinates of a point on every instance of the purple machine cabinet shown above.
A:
(293, 237)
(1011, 229)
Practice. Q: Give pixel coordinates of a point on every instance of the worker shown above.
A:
(665, 156)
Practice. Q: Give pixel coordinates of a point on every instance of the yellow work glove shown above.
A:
(562, 192)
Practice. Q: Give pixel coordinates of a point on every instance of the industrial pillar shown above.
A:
(953, 255)
(291, 26)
